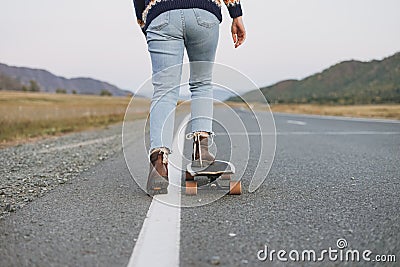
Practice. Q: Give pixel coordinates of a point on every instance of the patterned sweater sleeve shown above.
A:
(234, 8)
(139, 8)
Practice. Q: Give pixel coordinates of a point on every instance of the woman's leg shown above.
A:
(166, 47)
(201, 41)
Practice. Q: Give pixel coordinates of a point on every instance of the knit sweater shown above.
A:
(147, 10)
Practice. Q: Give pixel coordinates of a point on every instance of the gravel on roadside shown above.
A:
(31, 170)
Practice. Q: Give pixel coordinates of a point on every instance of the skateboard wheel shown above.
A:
(225, 176)
(189, 177)
(191, 188)
(235, 188)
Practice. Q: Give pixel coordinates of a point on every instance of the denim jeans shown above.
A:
(168, 35)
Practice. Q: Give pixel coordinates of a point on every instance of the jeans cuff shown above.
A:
(164, 149)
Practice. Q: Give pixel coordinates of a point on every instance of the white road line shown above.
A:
(340, 118)
(302, 123)
(159, 239)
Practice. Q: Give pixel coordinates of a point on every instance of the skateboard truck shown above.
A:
(218, 171)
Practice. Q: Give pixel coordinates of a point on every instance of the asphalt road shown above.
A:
(330, 179)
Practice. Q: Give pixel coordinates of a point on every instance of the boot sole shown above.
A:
(205, 163)
(158, 187)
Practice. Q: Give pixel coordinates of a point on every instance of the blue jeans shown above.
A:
(168, 35)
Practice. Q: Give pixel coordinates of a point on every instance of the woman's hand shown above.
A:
(238, 31)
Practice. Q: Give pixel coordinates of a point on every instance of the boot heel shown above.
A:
(157, 181)
(158, 185)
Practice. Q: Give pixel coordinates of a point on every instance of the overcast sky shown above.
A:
(286, 38)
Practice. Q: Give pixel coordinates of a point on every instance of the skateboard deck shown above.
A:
(219, 170)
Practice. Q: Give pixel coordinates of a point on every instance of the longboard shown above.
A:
(219, 169)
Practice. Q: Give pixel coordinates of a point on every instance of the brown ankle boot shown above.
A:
(201, 157)
(157, 182)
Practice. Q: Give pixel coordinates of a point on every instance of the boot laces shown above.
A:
(196, 136)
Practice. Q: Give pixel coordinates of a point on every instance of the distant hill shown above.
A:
(349, 82)
(19, 78)
(222, 95)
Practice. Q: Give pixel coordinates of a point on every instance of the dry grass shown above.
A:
(365, 111)
(383, 111)
(28, 115)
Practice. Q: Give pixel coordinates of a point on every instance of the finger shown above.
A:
(234, 37)
(240, 41)
(242, 37)
(243, 34)
(238, 44)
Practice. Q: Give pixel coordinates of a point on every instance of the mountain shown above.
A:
(17, 78)
(349, 82)
(222, 95)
